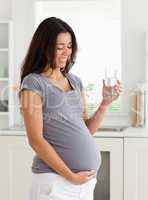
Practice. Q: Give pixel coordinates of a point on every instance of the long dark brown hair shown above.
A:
(42, 47)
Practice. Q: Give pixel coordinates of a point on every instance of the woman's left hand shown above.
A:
(110, 94)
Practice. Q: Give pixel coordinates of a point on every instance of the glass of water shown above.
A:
(111, 77)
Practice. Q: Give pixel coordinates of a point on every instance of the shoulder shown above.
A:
(77, 80)
(32, 82)
(32, 77)
(75, 77)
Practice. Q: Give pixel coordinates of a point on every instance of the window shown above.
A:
(97, 28)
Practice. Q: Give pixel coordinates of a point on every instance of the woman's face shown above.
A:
(63, 49)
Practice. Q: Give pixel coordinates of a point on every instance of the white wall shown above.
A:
(5, 9)
(134, 25)
(22, 17)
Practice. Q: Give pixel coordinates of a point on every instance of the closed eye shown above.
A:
(61, 48)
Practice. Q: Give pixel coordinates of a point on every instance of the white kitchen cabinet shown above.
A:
(123, 173)
(110, 175)
(15, 168)
(135, 168)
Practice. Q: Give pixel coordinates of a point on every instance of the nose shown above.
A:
(66, 51)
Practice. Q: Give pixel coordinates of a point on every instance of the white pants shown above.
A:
(51, 186)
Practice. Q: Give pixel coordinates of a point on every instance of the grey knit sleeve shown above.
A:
(33, 83)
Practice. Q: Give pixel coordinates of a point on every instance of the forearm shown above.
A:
(47, 153)
(95, 121)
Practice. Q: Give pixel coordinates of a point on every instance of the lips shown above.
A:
(63, 59)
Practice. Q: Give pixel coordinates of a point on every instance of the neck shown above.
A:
(55, 74)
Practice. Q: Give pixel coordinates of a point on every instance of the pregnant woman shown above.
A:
(55, 115)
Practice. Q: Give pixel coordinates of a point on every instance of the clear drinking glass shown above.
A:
(111, 77)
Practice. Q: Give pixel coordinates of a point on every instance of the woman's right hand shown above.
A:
(82, 177)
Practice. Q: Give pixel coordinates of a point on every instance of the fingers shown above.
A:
(89, 174)
(118, 92)
(90, 177)
(84, 176)
(118, 88)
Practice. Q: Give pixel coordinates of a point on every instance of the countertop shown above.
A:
(128, 132)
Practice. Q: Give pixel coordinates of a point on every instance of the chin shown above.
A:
(62, 66)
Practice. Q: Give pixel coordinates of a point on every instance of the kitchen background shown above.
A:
(131, 58)
(123, 175)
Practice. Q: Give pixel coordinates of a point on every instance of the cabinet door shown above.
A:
(110, 175)
(15, 168)
(136, 169)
